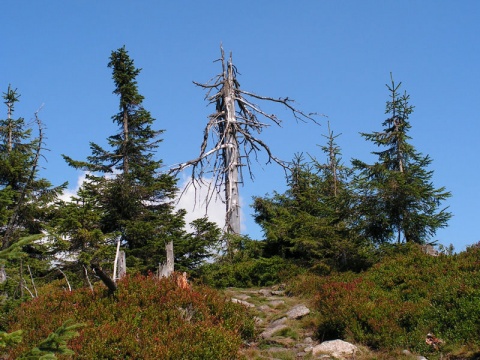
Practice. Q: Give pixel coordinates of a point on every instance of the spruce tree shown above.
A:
(133, 199)
(311, 221)
(396, 197)
(27, 200)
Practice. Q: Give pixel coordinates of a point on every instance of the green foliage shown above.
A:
(193, 249)
(249, 272)
(10, 339)
(242, 265)
(55, 343)
(126, 197)
(396, 198)
(26, 199)
(397, 302)
(147, 319)
(15, 251)
(311, 222)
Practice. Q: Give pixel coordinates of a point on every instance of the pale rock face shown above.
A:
(298, 312)
(336, 348)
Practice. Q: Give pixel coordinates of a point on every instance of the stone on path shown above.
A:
(265, 292)
(298, 311)
(276, 303)
(280, 321)
(337, 348)
(271, 330)
(242, 302)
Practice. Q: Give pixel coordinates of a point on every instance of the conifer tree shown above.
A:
(396, 197)
(25, 197)
(312, 221)
(133, 198)
(27, 201)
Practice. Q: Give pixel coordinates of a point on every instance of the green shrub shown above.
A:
(397, 302)
(146, 319)
(248, 272)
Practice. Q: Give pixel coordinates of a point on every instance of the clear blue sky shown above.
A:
(332, 57)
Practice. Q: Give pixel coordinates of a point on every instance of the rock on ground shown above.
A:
(336, 348)
(298, 312)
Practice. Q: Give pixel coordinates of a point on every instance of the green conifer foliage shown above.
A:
(55, 343)
(9, 339)
(129, 196)
(27, 200)
(312, 220)
(396, 198)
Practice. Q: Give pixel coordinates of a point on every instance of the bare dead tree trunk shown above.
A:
(166, 269)
(3, 274)
(122, 265)
(119, 264)
(33, 282)
(21, 278)
(88, 279)
(231, 157)
(109, 283)
(231, 129)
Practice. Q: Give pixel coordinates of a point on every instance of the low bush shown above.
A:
(249, 272)
(397, 302)
(145, 319)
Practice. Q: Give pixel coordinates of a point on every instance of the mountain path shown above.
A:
(284, 324)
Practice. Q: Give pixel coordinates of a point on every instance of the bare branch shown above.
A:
(230, 130)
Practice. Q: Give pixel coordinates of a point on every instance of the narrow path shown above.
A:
(283, 323)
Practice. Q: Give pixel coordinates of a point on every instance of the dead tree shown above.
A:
(231, 129)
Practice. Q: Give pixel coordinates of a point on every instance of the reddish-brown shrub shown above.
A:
(146, 319)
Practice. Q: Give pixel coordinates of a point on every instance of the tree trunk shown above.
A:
(166, 269)
(122, 265)
(3, 274)
(125, 141)
(231, 158)
(109, 283)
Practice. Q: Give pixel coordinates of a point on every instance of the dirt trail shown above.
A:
(284, 323)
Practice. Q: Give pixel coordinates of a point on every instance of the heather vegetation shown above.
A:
(146, 319)
(346, 239)
(398, 301)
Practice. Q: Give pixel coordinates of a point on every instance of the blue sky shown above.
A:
(332, 57)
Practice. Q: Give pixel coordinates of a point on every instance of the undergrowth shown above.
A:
(397, 302)
(146, 319)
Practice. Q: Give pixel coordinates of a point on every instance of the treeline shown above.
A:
(332, 216)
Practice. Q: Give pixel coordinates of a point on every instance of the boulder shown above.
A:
(337, 348)
(298, 312)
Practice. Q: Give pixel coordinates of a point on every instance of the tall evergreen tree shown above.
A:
(397, 199)
(26, 198)
(133, 200)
